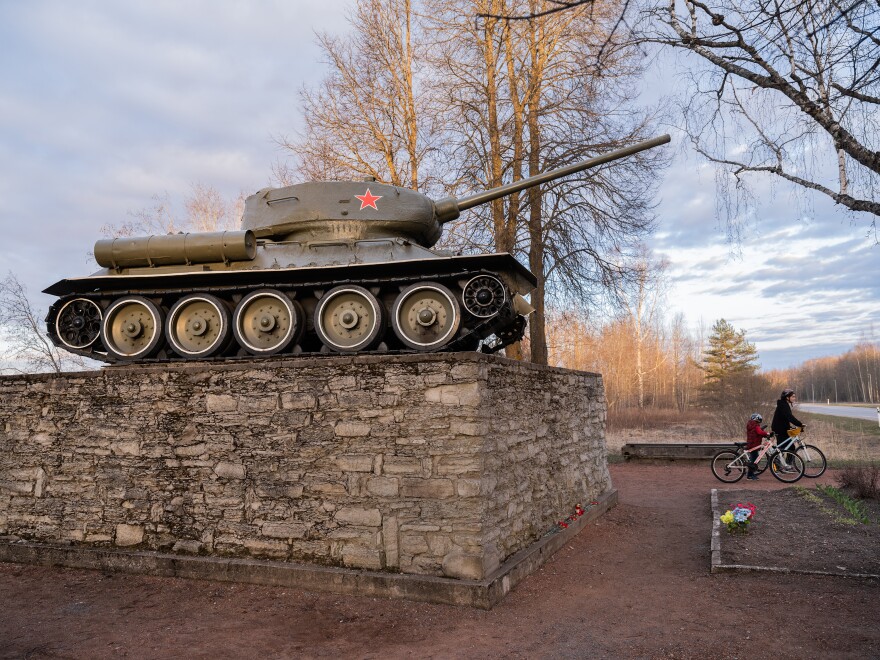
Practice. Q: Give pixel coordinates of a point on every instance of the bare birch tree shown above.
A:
(789, 89)
(671, 377)
(24, 346)
(578, 226)
(365, 118)
(686, 375)
(507, 101)
(639, 299)
(207, 210)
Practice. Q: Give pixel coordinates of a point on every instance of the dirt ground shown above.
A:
(634, 585)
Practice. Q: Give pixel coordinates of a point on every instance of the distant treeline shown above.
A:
(643, 365)
(853, 377)
(657, 364)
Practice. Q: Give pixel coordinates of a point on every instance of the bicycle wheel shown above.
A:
(787, 466)
(814, 461)
(728, 466)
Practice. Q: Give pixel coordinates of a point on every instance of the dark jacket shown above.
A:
(783, 419)
(754, 434)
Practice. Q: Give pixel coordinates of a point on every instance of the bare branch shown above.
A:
(856, 95)
(792, 92)
(561, 6)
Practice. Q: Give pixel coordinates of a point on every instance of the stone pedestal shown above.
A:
(442, 465)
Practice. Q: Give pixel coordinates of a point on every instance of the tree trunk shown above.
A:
(537, 330)
(495, 156)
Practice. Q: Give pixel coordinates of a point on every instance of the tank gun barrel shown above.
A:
(449, 208)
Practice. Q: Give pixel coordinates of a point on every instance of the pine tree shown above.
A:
(733, 389)
(728, 354)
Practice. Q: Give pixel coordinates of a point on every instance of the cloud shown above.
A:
(799, 285)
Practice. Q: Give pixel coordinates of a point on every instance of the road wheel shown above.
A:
(266, 322)
(349, 319)
(198, 326)
(425, 316)
(132, 328)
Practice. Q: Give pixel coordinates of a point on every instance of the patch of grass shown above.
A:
(819, 502)
(807, 495)
(844, 441)
(652, 418)
(843, 463)
(855, 508)
(844, 424)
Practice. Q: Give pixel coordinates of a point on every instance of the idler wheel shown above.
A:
(266, 322)
(425, 316)
(484, 296)
(132, 328)
(198, 326)
(349, 319)
(78, 323)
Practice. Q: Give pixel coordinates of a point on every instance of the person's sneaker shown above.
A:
(753, 477)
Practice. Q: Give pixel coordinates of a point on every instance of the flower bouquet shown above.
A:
(738, 517)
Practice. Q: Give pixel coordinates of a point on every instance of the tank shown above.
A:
(323, 267)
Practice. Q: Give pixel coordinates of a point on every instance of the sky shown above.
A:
(106, 104)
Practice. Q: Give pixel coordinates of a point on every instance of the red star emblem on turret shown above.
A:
(368, 199)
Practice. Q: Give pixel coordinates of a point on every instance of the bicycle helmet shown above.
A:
(786, 393)
(756, 418)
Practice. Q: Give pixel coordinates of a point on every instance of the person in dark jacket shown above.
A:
(784, 419)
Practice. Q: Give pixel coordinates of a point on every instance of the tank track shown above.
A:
(441, 311)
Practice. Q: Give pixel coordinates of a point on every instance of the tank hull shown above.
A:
(302, 287)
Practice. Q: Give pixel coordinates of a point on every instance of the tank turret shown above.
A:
(320, 267)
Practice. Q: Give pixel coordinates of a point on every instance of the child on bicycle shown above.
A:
(754, 437)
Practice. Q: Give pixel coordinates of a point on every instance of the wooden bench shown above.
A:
(672, 451)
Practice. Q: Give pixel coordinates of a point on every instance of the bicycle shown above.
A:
(730, 465)
(813, 458)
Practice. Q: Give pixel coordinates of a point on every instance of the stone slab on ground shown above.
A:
(672, 451)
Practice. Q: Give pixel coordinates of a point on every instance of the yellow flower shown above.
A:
(727, 518)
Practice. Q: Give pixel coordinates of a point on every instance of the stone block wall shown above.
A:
(435, 465)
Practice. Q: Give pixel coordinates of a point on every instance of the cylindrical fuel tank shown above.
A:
(176, 249)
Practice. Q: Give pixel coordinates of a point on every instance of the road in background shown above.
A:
(840, 411)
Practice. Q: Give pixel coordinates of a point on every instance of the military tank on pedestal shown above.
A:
(324, 267)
